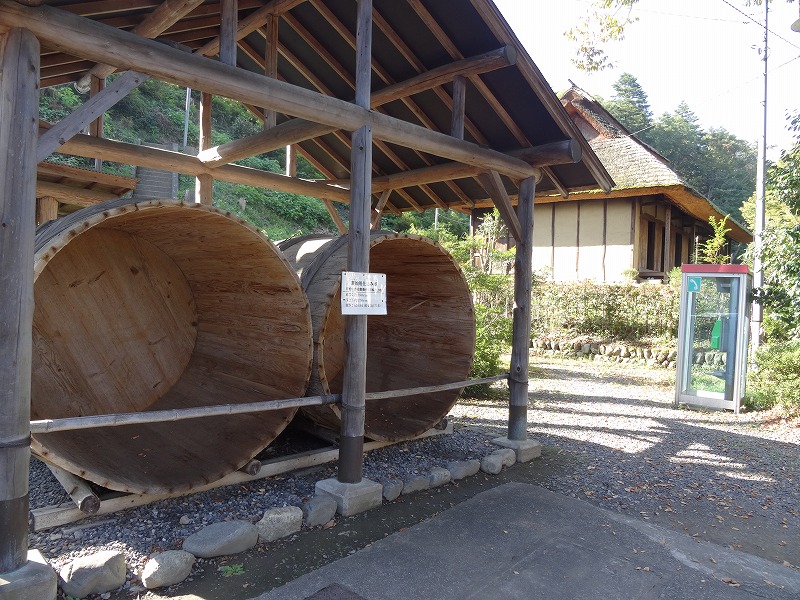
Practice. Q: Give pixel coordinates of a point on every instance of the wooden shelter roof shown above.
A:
(637, 169)
(418, 48)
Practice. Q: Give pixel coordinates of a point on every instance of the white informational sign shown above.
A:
(363, 293)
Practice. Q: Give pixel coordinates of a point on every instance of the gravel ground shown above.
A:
(726, 478)
(730, 479)
(163, 525)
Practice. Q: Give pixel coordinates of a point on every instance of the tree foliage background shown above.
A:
(716, 163)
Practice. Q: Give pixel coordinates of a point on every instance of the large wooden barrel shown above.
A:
(162, 305)
(427, 338)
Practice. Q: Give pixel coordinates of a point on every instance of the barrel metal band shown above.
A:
(20, 443)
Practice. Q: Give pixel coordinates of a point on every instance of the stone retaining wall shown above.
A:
(663, 357)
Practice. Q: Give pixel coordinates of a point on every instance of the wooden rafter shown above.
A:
(493, 185)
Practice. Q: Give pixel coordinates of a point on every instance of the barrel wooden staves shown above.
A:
(161, 305)
(427, 338)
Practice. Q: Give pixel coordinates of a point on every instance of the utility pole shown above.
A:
(758, 272)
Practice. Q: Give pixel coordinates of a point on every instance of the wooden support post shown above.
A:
(46, 210)
(204, 185)
(459, 107)
(19, 122)
(228, 26)
(291, 161)
(523, 280)
(351, 449)
(97, 85)
(271, 63)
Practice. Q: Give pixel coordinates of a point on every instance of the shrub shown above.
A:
(776, 380)
(601, 310)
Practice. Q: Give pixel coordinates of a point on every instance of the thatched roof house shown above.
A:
(649, 221)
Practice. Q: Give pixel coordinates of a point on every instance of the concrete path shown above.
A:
(519, 541)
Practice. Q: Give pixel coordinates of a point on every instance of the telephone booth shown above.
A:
(713, 336)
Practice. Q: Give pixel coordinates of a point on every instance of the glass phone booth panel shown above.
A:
(713, 336)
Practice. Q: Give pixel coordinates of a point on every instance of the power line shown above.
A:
(760, 24)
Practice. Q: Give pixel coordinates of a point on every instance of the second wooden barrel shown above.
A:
(427, 338)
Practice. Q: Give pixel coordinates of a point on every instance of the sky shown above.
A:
(703, 52)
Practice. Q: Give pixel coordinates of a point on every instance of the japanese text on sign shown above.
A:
(363, 293)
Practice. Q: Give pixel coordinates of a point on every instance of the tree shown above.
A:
(679, 137)
(730, 170)
(630, 106)
(780, 294)
(606, 22)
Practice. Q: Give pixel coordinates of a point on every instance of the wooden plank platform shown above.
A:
(63, 514)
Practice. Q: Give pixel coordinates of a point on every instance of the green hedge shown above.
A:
(623, 312)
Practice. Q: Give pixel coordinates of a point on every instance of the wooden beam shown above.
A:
(228, 26)
(271, 62)
(521, 327)
(133, 154)
(19, 107)
(668, 258)
(46, 210)
(75, 35)
(96, 126)
(493, 185)
(260, 143)
(337, 220)
(74, 196)
(459, 107)
(251, 22)
(84, 175)
(289, 132)
(80, 118)
(153, 25)
(490, 61)
(377, 212)
(556, 182)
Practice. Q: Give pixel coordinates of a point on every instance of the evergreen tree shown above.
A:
(631, 107)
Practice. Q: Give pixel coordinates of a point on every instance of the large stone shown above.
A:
(93, 574)
(392, 489)
(492, 463)
(415, 483)
(221, 539)
(318, 511)
(438, 476)
(352, 498)
(35, 580)
(463, 468)
(524, 450)
(280, 522)
(167, 568)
